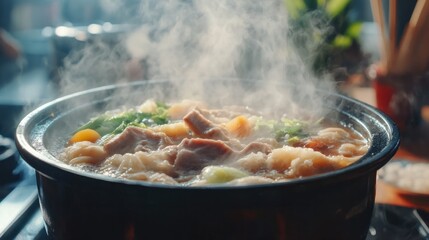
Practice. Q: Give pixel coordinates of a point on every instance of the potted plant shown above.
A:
(326, 35)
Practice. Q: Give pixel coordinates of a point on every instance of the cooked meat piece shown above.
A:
(204, 128)
(196, 153)
(228, 112)
(270, 141)
(134, 139)
(217, 116)
(252, 162)
(297, 161)
(255, 147)
(169, 153)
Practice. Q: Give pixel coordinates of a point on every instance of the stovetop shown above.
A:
(21, 217)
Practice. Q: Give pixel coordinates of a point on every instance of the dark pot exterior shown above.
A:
(110, 211)
(79, 205)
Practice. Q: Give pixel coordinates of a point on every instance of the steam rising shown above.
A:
(193, 42)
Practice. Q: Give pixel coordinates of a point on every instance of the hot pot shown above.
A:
(81, 205)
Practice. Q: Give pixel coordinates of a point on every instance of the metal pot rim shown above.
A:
(387, 141)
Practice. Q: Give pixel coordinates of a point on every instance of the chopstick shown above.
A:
(408, 30)
(422, 24)
(377, 12)
(406, 61)
(392, 33)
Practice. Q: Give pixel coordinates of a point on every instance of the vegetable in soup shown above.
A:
(189, 143)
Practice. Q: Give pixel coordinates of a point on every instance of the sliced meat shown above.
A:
(270, 141)
(252, 157)
(204, 128)
(217, 116)
(170, 153)
(256, 147)
(228, 112)
(134, 139)
(252, 162)
(196, 153)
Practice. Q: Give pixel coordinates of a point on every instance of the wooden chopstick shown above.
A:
(392, 34)
(403, 59)
(377, 12)
(421, 22)
(407, 61)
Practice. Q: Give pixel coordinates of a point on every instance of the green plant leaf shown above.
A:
(342, 41)
(354, 30)
(295, 8)
(321, 3)
(335, 7)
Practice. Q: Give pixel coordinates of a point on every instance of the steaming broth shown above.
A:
(189, 143)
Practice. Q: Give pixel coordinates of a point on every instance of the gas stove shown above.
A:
(21, 217)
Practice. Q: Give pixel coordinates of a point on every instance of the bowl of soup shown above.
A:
(148, 164)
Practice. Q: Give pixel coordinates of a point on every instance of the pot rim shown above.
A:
(45, 163)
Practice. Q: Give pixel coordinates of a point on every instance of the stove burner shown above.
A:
(21, 217)
(8, 161)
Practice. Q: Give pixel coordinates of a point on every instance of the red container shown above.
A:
(400, 97)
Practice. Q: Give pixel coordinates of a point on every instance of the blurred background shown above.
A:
(34, 27)
(38, 34)
(37, 38)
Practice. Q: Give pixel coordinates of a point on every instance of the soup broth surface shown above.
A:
(192, 144)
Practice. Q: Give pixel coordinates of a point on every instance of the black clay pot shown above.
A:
(82, 205)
